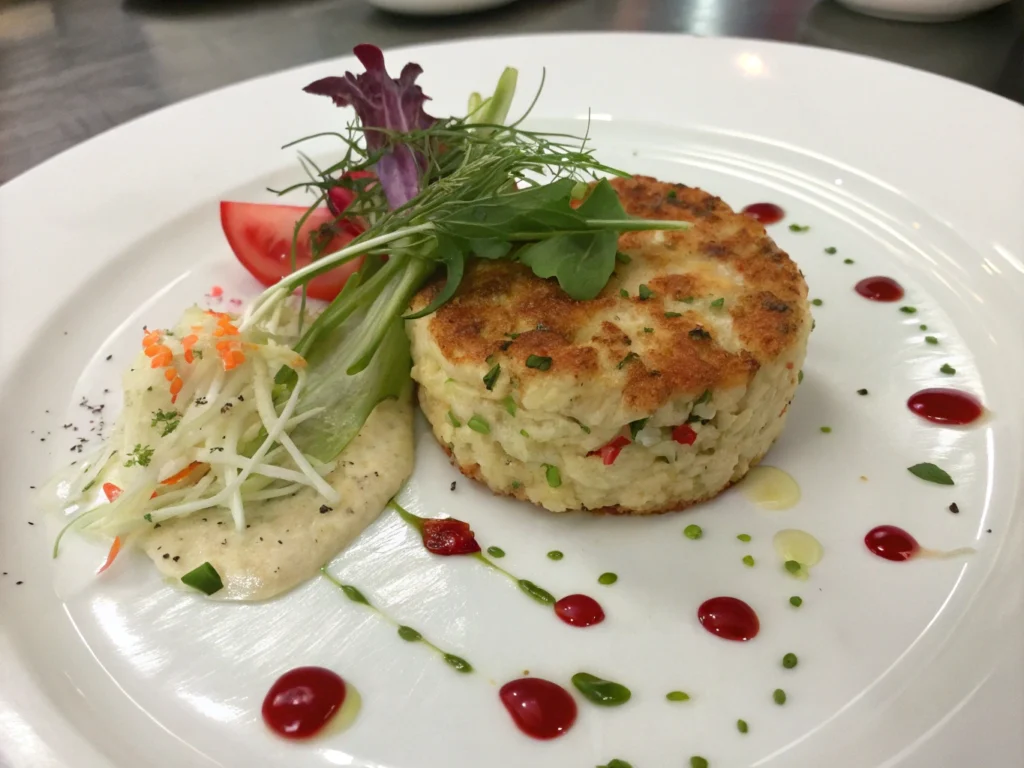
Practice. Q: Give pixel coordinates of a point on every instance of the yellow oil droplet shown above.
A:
(349, 711)
(770, 488)
(794, 544)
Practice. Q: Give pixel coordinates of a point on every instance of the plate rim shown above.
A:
(143, 123)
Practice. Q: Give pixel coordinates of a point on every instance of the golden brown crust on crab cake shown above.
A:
(723, 312)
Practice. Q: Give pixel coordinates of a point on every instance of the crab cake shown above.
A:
(659, 393)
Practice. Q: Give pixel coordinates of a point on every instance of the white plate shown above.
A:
(916, 664)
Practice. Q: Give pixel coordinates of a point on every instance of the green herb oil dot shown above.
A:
(457, 663)
(789, 660)
(602, 692)
(539, 594)
(354, 594)
(677, 696)
(554, 554)
(607, 578)
(743, 537)
(698, 762)
(748, 561)
(741, 726)
(793, 566)
(796, 601)
(693, 532)
(495, 551)
(409, 634)
(826, 430)
(779, 696)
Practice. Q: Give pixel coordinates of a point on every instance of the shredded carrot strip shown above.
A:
(111, 491)
(114, 549)
(186, 344)
(179, 476)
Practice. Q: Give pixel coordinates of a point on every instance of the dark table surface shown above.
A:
(70, 69)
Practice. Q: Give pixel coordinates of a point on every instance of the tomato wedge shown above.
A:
(339, 198)
(260, 234)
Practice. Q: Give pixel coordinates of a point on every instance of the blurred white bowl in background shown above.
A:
(921, 10)
(436, 7)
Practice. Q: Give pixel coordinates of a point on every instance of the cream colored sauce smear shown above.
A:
(287, 540)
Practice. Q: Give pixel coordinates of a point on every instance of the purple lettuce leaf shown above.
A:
(380, 101)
